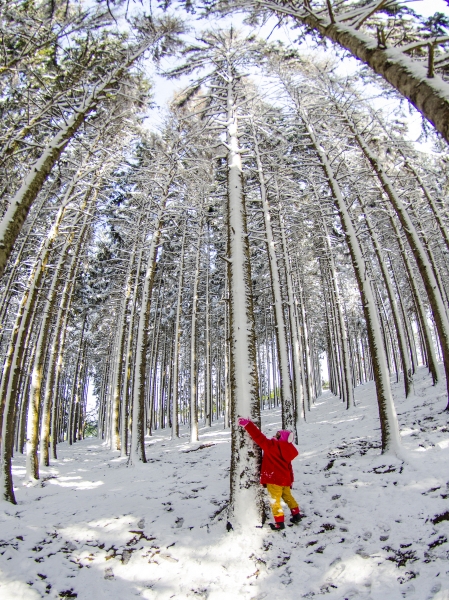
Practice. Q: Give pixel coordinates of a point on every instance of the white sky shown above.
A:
(429, 7)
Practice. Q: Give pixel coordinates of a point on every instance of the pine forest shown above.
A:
(215, 212)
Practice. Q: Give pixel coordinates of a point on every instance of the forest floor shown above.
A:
(374, 529)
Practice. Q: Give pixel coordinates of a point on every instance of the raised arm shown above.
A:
(260, 439)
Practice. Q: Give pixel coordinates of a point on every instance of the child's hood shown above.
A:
(288, 451)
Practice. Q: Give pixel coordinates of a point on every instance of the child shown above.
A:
(276, 473)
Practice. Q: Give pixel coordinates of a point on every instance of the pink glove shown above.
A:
(243, 422)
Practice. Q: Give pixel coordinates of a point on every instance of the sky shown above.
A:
(429, 7)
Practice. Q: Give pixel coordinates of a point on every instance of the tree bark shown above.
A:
(287, 407)
(299, 395)
(246, 505)
(193, 344)
(410, 78)
(391, 440)
(12, 221)
(406, 367)
(177, 341)
(137, 451)
(127, 369)
(422, 260)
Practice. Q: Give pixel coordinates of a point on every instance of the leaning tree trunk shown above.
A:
(430, 253)
(33, 286)
(403, 351)
(34, 401)
(427, 92)
(54, 365)
(51, 394)
(11, 375)
(421, 311)
(422, 260)
(27, 357)
(444, 231)
(12, 221)
(406, 320)
(19, 259)
(391, 439)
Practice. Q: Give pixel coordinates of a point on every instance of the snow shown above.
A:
(95, 528)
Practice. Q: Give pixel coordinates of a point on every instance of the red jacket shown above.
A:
(277, 458)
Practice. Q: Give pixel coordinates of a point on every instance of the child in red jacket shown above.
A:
(276, 472)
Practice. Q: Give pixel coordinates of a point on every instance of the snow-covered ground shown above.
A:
(375, 528)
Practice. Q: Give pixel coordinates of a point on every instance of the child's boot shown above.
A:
(296, 515)
(278, 524)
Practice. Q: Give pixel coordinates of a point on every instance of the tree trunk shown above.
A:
(6, 296)
(33, 285)
(127, 368)
(41, 349)
(137, 451)
(11, 375)
(422, 260)
(345, 355)
(299, 395)
(391, 440)
(246, 505)
(32, 435)
(193, 342)
(422, 314)
(12, 221)
(287, 408)
(429, 95)
(177, 341)
(227, 383)
(406, 367)
(433, 205)
(75, 383)
(207, 375)
(116, 400)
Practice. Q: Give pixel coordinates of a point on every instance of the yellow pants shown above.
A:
(277, 492)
